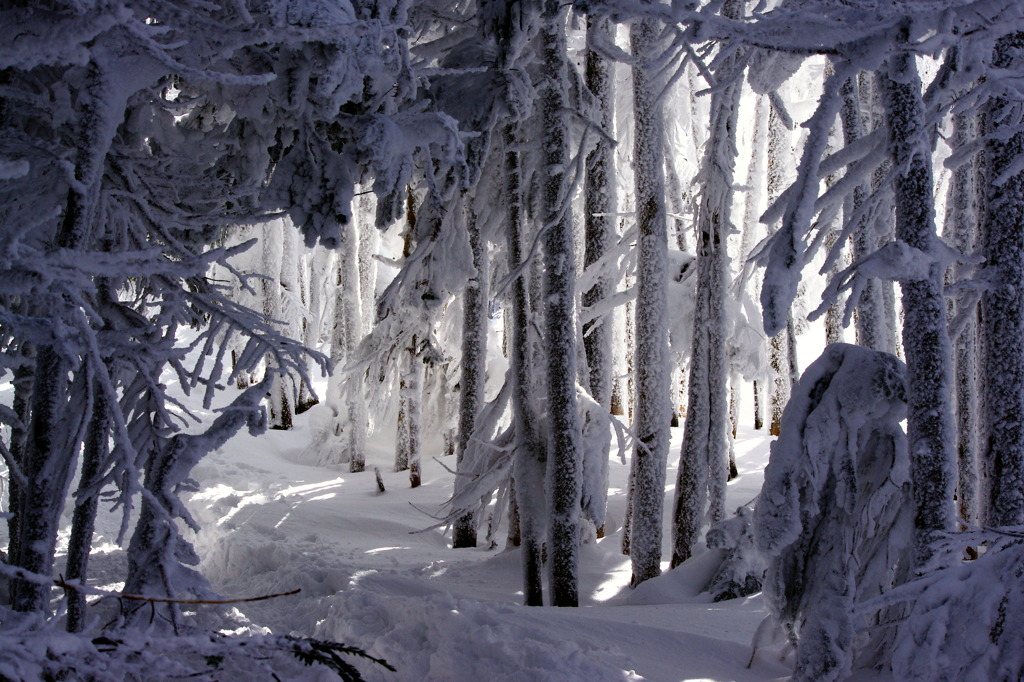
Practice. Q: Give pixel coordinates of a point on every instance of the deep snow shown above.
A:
(371, 576)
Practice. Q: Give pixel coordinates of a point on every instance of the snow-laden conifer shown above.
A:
(834, 517)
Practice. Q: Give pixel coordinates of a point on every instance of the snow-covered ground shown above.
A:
(371, 576)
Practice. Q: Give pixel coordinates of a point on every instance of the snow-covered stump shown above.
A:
(835, 518)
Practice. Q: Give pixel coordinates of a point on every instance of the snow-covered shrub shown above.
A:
(741, 572)
(963, 621)
(33, 650)
(834, 518)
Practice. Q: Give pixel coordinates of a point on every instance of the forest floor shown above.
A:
(371, 575)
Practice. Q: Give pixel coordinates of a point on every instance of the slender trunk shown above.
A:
(564, 464)
(413, 414)
(406, 426)
(653, 411)
(474, 368)
(530, 459)
(734, 421)
(960, 232)
(23, 382)
(758, 410)
(83, 519)
(882, 307)
(869, 321)
(703, 460)
(280, 409)
(780, 351)
(751, 210)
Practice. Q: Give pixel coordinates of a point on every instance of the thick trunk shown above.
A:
(925, 339)
(599, 192)
(48, 463)
(1002, 306)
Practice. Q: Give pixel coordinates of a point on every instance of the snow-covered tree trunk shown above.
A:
(930, 427)
(780, 351)
(530, 459)
(751, 210)
(313, 267)
(60, 401)
(344, 436)
(961, 233)
(273, 243)
(564, 462)
(599, 193)
(410, 436)
(599, 190)
(834, 314)
(48, 464)
(703, 461)
(879, 230)
(1002, 303)
(474, 367)
(870, 319)
(83, 519)
(653, 411)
